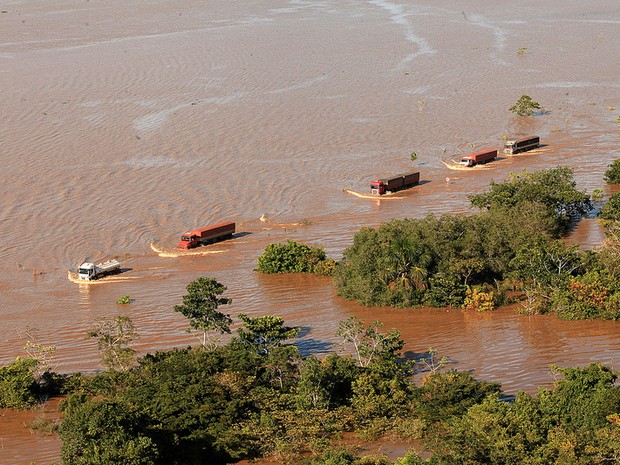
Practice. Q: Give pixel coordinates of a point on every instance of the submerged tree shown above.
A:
(555, 188)
(113, 338)
(200, 307)
(525, 106)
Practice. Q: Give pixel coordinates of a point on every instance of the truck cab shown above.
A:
(188, 240)
(86, 271)
(466, 161)
(377, 187)
(509, 146)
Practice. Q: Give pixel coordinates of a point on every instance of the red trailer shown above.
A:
(206, 235)
(396, 183)
(479, 158)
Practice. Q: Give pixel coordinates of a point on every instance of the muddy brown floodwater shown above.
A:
(126, 123)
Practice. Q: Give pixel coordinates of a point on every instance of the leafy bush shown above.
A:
(611, 209)
(105, 431)
(450, 394)
(555, 188)
(480, 299)
(592, 295)
(445, 291)
(17, 384)
(124, 300)
(294, 257)
(612, 175)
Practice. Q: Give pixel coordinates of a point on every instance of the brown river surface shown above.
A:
(125, 123)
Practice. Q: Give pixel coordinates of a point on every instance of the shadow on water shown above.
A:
(428, 361)
(312, 346)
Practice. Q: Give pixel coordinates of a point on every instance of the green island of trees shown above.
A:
(510, 250)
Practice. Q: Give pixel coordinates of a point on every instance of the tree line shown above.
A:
(257, 396)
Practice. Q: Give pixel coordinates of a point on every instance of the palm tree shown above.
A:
(405, 264)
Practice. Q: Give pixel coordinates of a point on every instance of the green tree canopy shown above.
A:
(525, 106)
(612, 175)
(611, 210)
(200, 307)
(264, 333)
(17, 384)
(554, 188)
(294, 257)
(102, 432)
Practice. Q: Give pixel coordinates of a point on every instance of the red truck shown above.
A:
(206, 235)
(396, 183)
(479, 158)
(521, 145)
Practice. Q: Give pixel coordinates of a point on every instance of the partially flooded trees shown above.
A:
(612, 175)
(17, 384)
(114, 335)
(294, 257)
(555, 188)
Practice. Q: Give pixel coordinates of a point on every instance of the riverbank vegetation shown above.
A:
(246, 399)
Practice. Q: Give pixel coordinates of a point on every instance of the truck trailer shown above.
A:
(478, 158)
(393, 184)
(89, 271)
(206, 235)
(521, 145)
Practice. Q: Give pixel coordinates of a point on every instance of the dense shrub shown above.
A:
(612, 175)
(294, 257)
(444, 395)
(611, 209)
(106, 431)
(433, 260)
(17, 384)
(594, 295)
(554, 188)
(569, 424)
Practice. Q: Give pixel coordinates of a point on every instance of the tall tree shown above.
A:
(200, 307)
